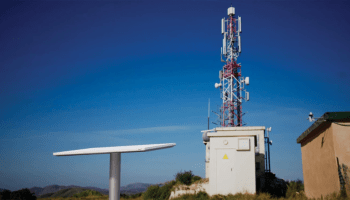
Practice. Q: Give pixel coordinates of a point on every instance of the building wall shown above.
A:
(341, 134)
(319, 163)
(260, 153)
(207, 158)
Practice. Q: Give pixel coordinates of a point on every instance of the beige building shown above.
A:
(325, 149)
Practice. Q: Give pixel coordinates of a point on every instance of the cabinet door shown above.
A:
(225, 171)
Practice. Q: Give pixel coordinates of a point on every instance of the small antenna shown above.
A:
(208, 112)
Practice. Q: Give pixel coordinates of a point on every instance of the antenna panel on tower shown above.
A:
(222, 25)
(239, 44)
(240, 24)
(224, 44)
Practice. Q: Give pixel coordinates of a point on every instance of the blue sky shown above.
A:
(87, 74)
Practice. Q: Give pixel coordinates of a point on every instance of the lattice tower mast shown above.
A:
(231, 83)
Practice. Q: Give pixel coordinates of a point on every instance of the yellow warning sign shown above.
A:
(225, 157)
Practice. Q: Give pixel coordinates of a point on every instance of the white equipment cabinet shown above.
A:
(236, 159)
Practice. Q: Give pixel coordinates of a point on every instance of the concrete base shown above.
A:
(192, 189)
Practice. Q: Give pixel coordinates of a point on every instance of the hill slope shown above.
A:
(52, 189)
(63, 193)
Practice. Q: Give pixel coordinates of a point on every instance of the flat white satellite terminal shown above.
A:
(231, 11)
(117, 149)
(115, 161)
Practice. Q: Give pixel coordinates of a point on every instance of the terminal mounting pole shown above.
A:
(114, 176)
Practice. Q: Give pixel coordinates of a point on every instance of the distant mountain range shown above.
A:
(51, 189)
(134, 188)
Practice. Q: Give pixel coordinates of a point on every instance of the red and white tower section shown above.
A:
(231, 82)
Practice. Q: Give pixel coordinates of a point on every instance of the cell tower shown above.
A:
(231, 83)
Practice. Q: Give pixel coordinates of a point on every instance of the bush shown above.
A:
(218, 197)
(23, 194)
(184, 177)
(152, 192)
(165, 190)
(134, 196)
(202, 195)
(130, 196)
(124, 196)
(196, 178)
(274, 186)
(87, 193)
(6, 194)
(156, 192)
(294, 188)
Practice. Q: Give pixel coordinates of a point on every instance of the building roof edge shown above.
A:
(326, 117)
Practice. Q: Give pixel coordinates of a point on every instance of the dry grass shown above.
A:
(104, 197)
(203, 196)
(262, 196)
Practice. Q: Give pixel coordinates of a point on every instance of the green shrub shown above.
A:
(263, 196)
(6, 194)
(294, 188)
(165, 190)
(199, 196)
(196, 178)
(19, 194)
(202, 195)
(155, 192)
(184, 177)
(125, 196)
(133, 196)
(274, 186)
(130, 196)
(218, 197)
(185, 197)
(152, 192)
(87, 193)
